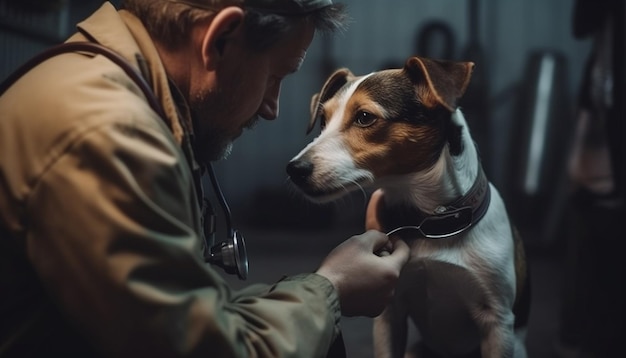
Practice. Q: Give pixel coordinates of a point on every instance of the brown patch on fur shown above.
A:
(447, 80)
(412, 147)
(521, 307)
(520, 260)
(426, 96)
(333, 84)
(328, 108)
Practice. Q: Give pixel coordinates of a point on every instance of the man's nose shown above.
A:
(269, 109)
(270, 106)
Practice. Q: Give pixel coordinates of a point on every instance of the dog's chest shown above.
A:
(441, 298)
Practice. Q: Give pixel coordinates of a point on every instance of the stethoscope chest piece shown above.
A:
(231, 255)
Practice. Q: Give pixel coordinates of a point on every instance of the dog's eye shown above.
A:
(364, 119)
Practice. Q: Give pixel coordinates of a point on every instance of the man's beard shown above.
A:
(211, 146)
(211, 140)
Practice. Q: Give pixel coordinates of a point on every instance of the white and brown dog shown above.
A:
(465, 285)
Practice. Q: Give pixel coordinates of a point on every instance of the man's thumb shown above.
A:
(371, 215)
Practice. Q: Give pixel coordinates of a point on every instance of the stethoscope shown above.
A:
(230, 254)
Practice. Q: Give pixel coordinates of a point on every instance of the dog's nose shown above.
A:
(299, 170)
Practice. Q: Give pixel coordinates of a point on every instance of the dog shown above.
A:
(466, 284)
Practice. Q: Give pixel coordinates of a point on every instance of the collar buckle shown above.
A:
(447, 224)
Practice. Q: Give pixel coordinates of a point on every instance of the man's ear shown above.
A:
(225, 25)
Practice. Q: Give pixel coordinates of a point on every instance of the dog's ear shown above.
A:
(334, 82)
(447, 80)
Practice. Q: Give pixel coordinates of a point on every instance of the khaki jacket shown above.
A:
(100, 246)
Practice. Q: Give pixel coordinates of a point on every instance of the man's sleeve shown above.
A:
(114, 240)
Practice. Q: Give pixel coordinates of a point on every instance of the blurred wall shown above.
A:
(382, 33)
(23, 34)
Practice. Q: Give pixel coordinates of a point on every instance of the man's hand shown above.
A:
(364, 279)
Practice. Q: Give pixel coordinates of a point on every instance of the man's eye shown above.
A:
(364, 119)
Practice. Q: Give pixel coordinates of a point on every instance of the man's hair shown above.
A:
(170, 21)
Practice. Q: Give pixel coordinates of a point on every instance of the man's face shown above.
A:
(247, 86)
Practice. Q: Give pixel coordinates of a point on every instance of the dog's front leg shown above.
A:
(390, 333)
(497, 334)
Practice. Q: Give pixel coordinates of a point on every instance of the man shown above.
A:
(100, 226)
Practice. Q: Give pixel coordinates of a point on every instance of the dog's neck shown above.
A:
(448, 179)
(442, 201)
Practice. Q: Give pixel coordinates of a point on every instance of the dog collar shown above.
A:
(447, 220)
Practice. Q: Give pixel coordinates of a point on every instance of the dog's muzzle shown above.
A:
(299, 171)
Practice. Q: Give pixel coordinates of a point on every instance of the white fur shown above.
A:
(333, 162)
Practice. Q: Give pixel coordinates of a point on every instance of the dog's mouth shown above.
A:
(322, 182)
(329, 190)
(327, 193)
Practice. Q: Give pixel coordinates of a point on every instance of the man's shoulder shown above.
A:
(71, 87)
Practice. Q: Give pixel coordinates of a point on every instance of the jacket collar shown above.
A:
(124, 33)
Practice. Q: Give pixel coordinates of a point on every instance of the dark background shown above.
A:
(521, 106)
